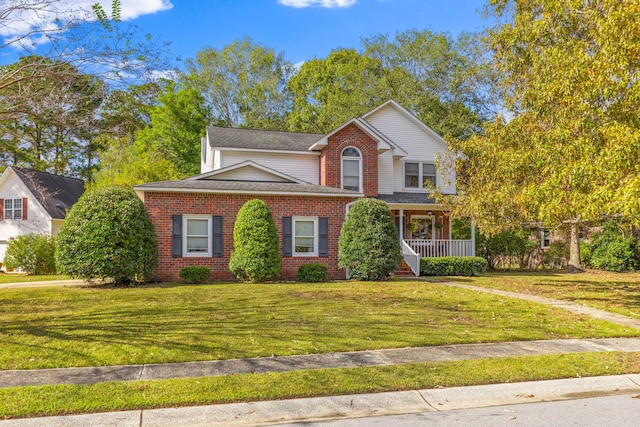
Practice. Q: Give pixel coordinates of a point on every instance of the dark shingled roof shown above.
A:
(253, 139)
(55, 193)
(408, 198)
(213, 186)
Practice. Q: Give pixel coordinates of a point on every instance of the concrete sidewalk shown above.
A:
(350, 406)
(43, 284)
(98, 374)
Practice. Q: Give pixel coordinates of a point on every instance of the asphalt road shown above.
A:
(619, 411)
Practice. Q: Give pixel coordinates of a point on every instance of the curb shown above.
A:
(351, 406)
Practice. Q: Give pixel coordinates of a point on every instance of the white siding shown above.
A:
(207, 157)
(38, 220)
(249, 173)
(412, 138)
(385, 173)
(301, 166)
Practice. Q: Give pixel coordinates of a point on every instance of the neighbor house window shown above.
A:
(305, 236)
(197, 235)
(545, 238)
(416, 174)
(12, 208)
(351, 169)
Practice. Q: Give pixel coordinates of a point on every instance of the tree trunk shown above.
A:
(574, 249)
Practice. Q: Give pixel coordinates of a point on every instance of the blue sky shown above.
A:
(303, 29)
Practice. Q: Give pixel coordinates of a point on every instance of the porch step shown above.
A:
(404, 271)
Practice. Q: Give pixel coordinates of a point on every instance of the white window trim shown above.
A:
(420, 187)
(209, 252)
(13, 209)
(359, 159)
(315, 236)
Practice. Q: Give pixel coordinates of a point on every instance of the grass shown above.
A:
(21, 278)
(94, 326)
(615, 292)
(118, 396)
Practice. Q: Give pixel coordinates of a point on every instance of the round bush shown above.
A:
(256, 246)
(108, 235)
(368, 247)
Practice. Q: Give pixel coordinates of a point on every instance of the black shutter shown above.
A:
(287, 241)
(216, 234)
(323, 238)
(176, 235)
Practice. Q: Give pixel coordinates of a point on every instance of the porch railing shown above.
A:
(437, 248)
(411, 258)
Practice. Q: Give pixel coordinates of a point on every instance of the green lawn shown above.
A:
(62, 327)
(119, 396)
(20, 278)
(615, 292)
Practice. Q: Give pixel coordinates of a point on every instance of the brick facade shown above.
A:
(161, 205)
(331, 159)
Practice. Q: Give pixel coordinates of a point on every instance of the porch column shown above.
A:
(473, 238)
(401, 224)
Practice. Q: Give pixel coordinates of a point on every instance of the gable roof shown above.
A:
(254, 139)
(56, 193)
(271, 175)
(435, 135)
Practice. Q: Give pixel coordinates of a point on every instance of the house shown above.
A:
(308, 181)
(34, 202)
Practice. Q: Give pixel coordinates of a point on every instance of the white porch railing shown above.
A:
(411, 258)
(439, 248)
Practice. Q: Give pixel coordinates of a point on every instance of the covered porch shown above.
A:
(425, 232)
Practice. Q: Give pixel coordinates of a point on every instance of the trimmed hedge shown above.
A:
(313, 272)
(453, 266)
(195, 274)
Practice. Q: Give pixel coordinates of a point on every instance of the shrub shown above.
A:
(611, 250)
(108, 235)
(453, 266)
(505, 248)
(368, 247)
(33, 253)
(256, 253)
(195, 274)
(313, 272)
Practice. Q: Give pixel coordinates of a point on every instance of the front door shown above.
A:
(424, 227)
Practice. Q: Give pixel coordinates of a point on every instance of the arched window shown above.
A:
(351, 169)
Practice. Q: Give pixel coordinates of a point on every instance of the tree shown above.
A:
(108, 235)
(440, 80)
(328, 92)
(255, 256)
(57, 123)
(92, 41)
(159, 139)
(243, 84)
(368, 247)
(570, 149)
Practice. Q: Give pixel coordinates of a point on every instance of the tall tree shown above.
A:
(91, 40)
(243, 84)
(328, 92)
(570, 149)
(57, 122)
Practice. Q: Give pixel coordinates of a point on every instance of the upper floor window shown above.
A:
(545, 238)
(351, 169)
(12, 208)
(416, 174)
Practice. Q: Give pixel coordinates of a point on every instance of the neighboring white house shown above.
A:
(34, 202)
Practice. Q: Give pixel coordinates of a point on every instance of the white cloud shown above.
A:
(47, 15)
(320, 3)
